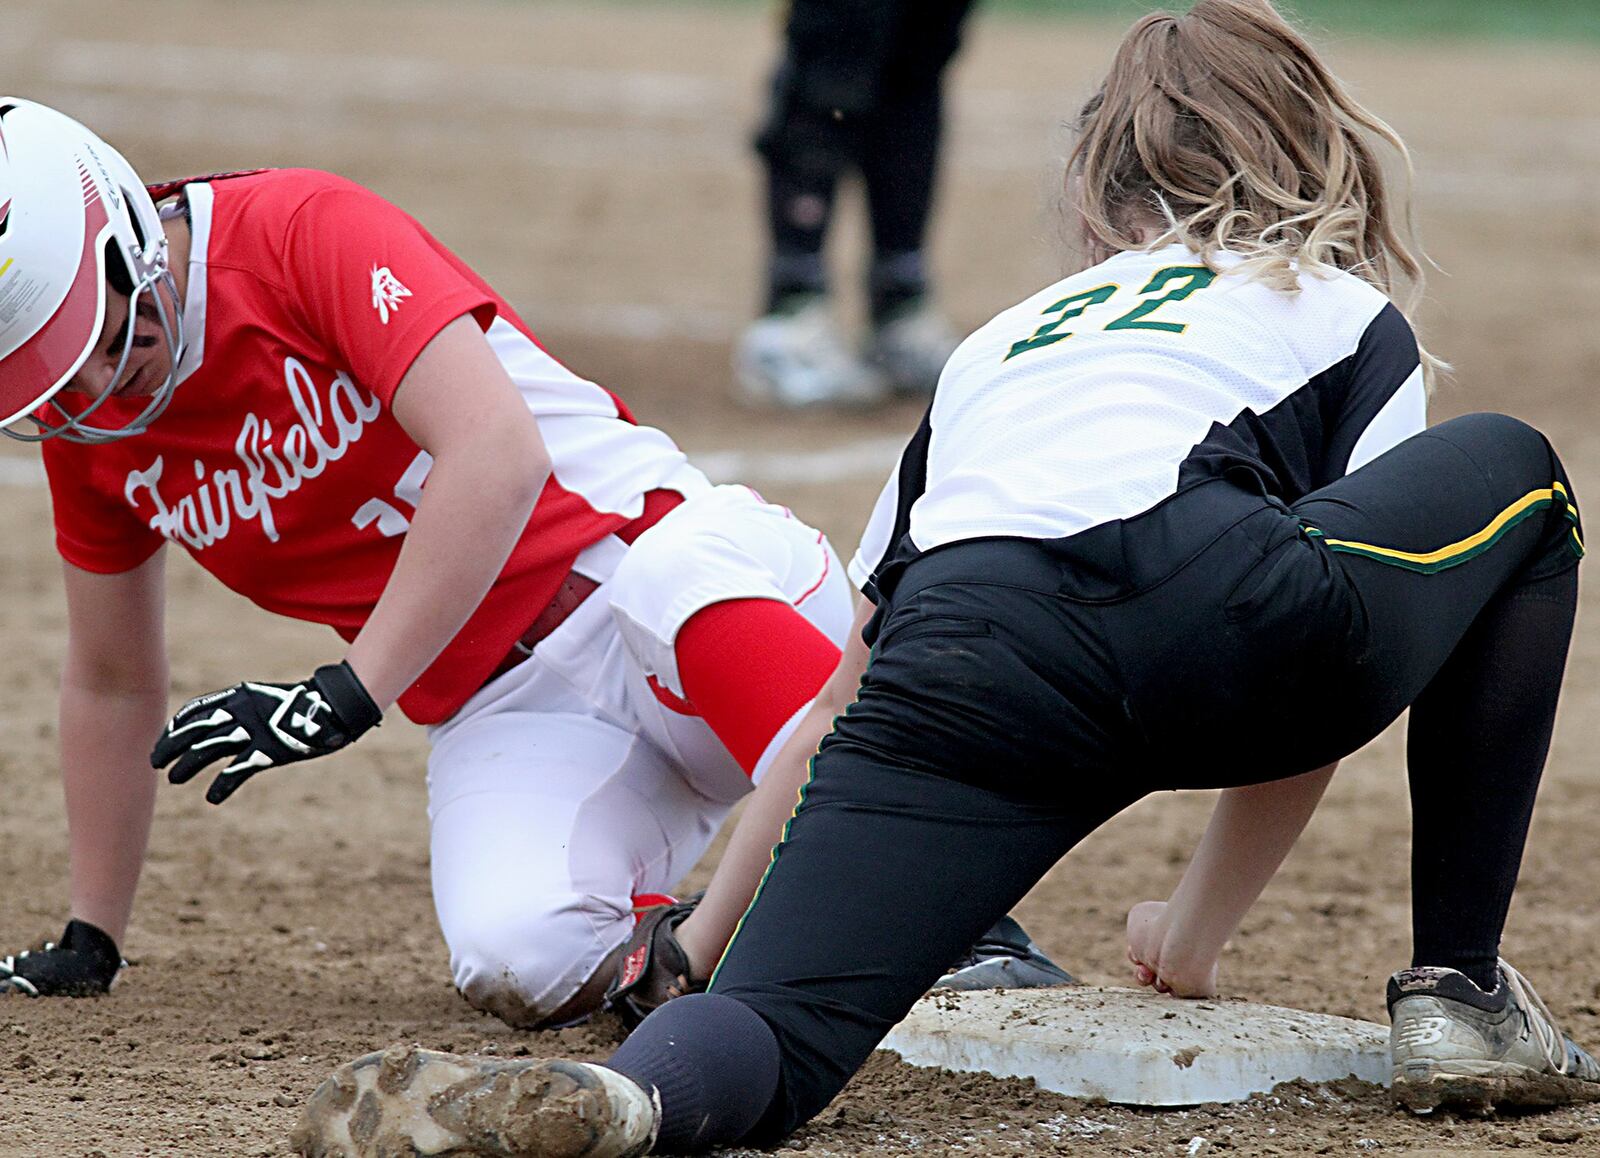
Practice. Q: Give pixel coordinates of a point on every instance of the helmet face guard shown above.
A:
(51, 419)
(68, 202)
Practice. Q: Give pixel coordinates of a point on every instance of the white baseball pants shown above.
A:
(565, 787)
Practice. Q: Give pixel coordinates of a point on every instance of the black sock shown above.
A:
(792, 276)
(897, 279)
(714, 1063)
(1476, 749)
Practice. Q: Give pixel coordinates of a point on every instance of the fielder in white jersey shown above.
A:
(1171, 523)
(1258, 370)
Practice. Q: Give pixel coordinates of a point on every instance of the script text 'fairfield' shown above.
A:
(275, 464)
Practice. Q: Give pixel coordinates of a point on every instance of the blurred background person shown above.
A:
(859, 88)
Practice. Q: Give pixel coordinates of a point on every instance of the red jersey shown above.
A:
(279, 465)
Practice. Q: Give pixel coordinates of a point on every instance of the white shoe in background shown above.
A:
(911, 348)
(799, 358)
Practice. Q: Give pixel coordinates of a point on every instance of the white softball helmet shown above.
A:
(70, 209)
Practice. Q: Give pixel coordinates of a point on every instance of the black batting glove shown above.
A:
(257, 726)
(83, 963)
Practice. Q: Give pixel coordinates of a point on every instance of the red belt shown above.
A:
(575, 588)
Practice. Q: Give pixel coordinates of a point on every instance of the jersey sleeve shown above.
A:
(1383, 401)
(875, 540)
(95, 530)
(887, 537)
(372, 286)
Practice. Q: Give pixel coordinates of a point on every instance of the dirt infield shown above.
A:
(591, 160)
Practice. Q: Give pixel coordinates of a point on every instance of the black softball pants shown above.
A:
(1019, 694)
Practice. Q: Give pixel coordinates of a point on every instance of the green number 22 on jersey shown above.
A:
(1188, 279)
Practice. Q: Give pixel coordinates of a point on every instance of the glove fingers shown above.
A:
(193, 760)
(191, 728)
(225, 785)
(167, 749)
(235, 774)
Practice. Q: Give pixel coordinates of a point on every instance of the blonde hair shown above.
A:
(1221, 129)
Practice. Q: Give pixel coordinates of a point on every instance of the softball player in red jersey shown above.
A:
(290, 379)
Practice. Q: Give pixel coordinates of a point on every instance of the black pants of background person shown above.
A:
(858, 89)
(1019, 694)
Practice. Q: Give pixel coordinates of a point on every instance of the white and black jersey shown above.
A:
(1102, 396)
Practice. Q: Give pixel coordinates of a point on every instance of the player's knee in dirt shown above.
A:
(529, 965)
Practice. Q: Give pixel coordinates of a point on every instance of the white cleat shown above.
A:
(911, 348)
(1454, 1045)
(408, 1102)
(799, 358)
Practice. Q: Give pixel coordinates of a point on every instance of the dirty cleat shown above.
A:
(1454, 1045)
(1005, 958)
(417, 1102)
(911, 346)
(796, 357)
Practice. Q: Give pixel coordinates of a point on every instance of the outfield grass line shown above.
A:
(1432, 20)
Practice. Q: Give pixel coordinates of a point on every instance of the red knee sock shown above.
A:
(748, 667)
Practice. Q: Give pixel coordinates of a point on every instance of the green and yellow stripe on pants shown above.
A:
(1453, 554)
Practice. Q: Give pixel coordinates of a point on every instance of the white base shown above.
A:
(1136, 1047)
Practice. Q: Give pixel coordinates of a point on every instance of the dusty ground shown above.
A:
(591, 161)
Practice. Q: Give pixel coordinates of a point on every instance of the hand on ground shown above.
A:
(1160, 963)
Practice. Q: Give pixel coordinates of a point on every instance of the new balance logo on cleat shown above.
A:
(1420, 1031)
(1454, 1045)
